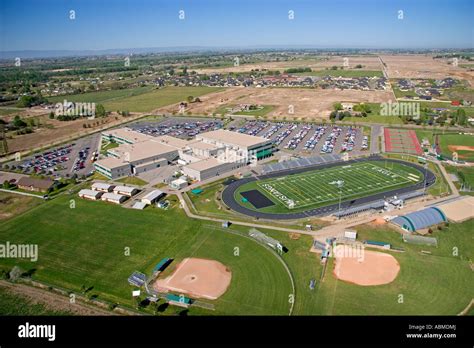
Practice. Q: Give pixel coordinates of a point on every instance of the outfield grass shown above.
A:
(436, 284)
(85, 246)
(157, 98)
(447, 138)
(316, 188)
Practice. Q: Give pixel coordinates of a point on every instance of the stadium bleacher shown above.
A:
(137, 279)
(375, 205)
(300, 163)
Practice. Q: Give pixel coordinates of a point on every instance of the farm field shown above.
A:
(343, 73)
(317, 188)
(309, 103)
(85, 247)
(101, 96)
(423, 66)
(368, 62)
(157, 98)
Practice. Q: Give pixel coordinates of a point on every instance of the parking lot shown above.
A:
(306, 138)
(177, 127)
(61, 161)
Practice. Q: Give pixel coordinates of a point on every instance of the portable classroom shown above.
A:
(126, 190)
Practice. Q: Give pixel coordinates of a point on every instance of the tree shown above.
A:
(6, 185)
(51, 115)
(190, 99)
(337, 106)
(100, 110)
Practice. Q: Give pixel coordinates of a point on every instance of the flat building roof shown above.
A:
(234, 138)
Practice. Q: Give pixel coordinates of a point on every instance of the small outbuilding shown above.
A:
(90, 194)
(113, 198)
(128, 191)
(102, 187)
(152, 196)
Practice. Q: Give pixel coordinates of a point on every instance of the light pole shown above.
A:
(340, 184)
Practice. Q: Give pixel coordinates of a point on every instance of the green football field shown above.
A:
(326, 186)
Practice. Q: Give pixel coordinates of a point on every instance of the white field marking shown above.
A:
(318, 188)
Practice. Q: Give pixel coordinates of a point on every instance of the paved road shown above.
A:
(229, 191)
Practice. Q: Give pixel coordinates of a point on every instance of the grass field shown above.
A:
(140, 99)
(320, 187)
(85, 246)
(436, 284)
(447, 139)
(133, 180)
(157, 98)
(12, 204)
(260, 112)
(343, 73)
(101, 96)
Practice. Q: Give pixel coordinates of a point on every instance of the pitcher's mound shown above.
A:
(199, 278)
(374, 268)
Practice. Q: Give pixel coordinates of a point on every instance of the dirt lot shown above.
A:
(54, 130)
(368, 63)
(423, 66)
(309, 103)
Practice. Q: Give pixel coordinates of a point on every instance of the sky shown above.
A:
(112, 24)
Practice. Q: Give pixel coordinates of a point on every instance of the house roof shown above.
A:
(34, 182)
(204, 164)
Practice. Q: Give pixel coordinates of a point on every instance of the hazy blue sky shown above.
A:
(104, 24)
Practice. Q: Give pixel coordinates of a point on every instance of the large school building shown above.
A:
(208, 155)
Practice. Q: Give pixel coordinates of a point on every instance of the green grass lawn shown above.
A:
(464, 174)
(85, 246)
(447, 138)
(343, 73)
(436, 284)
(157, 98)
(101, 96)
(308, 190)
(260, 112)
(132, 180)
(12, 204)
(140, 99)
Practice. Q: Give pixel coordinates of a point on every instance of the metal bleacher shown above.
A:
(375, 205)
(300, 163)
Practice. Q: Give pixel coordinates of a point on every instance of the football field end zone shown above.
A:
(228, 195)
